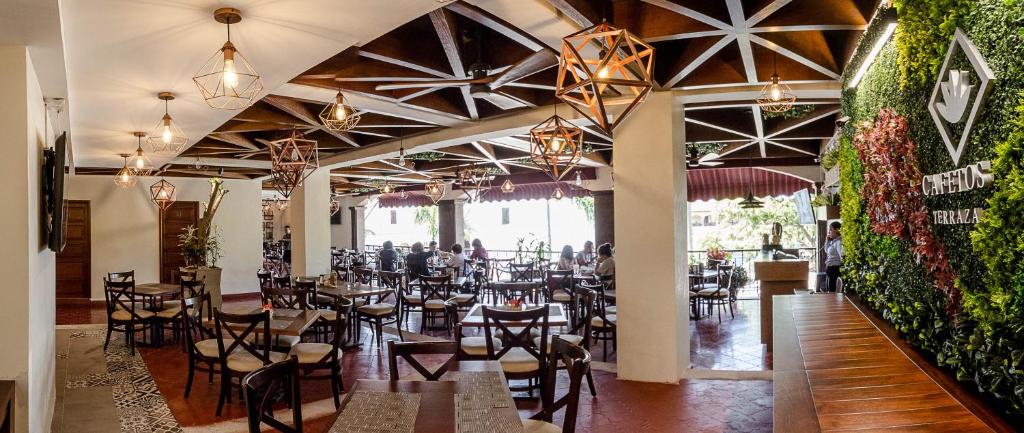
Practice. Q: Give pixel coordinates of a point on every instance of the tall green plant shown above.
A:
(925, 29)
(427, 215)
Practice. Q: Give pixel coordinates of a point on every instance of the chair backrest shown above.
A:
(559, 280)
(586, 299)
(363, 275)
(391, 280)
(121, 276)
(725, 273)
(306, 290)
(282, 281)
(120, 295)
(265, 279)
(577, 363)
(434, 287)
(232, 341)
(521, 271)
(523, 322)
(406, 351)
(600, 301)
(292, 298)
(266, 386)
(193, 323)
(343, 307)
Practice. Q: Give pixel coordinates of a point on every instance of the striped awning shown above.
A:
(731, 183)
(530, 191)
(411, 199)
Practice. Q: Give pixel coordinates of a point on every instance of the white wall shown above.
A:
(126, 233)
(27, 313)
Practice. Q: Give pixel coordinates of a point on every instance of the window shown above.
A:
(394, 216)
(504, 216)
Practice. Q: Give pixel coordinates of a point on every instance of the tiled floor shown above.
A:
(621, 406)
(733, 344)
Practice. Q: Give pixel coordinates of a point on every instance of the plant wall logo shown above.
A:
(959, 94)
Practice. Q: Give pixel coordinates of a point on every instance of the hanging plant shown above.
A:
(894, 200)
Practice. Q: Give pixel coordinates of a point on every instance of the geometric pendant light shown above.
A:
(435, 190)
(162, 193)
(166, 137)
(750, 202)
(556, 146)
(293, 159)
(125, 177)
(776, 97)
(140, 163)
(339, 116)
(227, 81)
(620, 75)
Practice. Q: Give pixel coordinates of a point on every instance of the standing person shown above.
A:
(605, 261)
(416, 262)
(586, 256)
(833, 256)
(479, 252)
(388, 257)
(565, 260)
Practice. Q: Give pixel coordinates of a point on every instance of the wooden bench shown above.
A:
(834, 370)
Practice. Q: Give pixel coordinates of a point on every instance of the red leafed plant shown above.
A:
(894, 200)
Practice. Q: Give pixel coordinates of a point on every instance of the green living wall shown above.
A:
(975, 327)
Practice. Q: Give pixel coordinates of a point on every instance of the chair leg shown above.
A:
(225, 391)
(590, 382)
(106, 342)
(191, 375)
(335, 386)
(380, 334)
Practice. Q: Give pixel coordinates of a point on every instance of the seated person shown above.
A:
(586, 256)
(458, 261)
(388, 257)
(565, 260)
(605, 261)
(416, 261)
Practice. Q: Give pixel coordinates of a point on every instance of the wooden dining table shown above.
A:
(158, 290)
(353, 290)
(284, 321)
(437, 400)
(475, 317)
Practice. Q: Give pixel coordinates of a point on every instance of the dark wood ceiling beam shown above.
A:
(235, 139)
(445, 27)
(496, 24)
(577, 11)
(405, 64)
(297, 109)
(232, 126)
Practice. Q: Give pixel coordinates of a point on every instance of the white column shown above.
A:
(310, 212)
(28, 293)
(650, 243)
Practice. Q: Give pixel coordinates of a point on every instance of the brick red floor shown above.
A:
(621, 406)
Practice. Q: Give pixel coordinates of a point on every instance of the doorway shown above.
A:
(173, 221)
(74, 263)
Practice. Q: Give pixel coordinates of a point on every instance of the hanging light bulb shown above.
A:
(776, 97)
(435, 190)
(166, 137)
(140, 163)
(508, 187)
(387, 187)
(579, 178)
(338, 115)
(125, 177)
(557, 194)
(162, 193)
(227, 80)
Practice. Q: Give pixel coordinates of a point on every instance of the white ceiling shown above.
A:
(121, 53)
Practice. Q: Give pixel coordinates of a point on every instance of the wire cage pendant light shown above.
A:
(140, 163)
(166, 137)
(335, 204)
(557, 194)
(125, 177)
(750, 202)
(293, 159)
(776, 96)
(619, 76)
(435, 189)
(474, 181)
(387, 187)
(338, 115)
(556, 146)
(162, 193)
(508, 187)
(227, 80)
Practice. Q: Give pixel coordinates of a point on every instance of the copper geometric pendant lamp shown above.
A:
(162, 193)
(556, 146)
(293, 159)
(619, 76)
(227, 80)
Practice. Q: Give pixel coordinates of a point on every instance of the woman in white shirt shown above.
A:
(458, 261)
(833, 256)
(605, 261)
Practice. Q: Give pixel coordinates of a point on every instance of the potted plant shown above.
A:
(827, 204)
(716, 256)
(200, 244)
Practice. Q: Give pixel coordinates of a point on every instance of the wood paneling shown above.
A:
(73, 279)
(857, 378)
(172, 221)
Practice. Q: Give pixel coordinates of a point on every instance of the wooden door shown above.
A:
(179, 215)
(74, 276)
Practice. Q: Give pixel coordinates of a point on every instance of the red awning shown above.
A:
(530, 191)
(731, 183)
(411, 199)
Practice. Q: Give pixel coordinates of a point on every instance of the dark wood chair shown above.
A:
(171, 313)
(121, 276)
(282, 281)
(576, 361)
(521, 271)
(124, 313)
(200, 343)
(434, 295)
(314, 358)
(363, 275)
(603, 323)
(558, 289)
(582, 334)
(265, 278)
(721, 294)
(379, 314)
(520, 359)
(408, 350)
(242, 352)
(266, 387)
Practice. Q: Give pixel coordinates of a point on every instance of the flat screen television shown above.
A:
(804, 211)
(54, 206)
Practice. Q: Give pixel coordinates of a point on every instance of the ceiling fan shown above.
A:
(706, 160)
(485, 81)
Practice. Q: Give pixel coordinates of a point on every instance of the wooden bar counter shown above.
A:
(778, 277)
